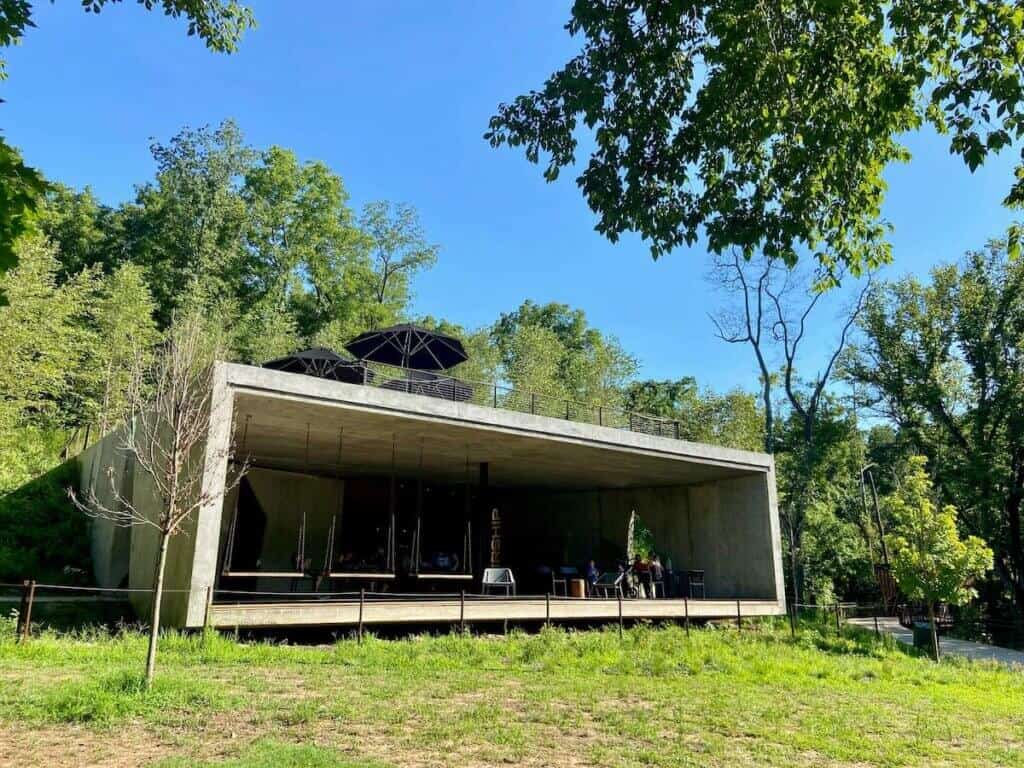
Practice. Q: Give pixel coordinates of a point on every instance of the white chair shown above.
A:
(498, 578)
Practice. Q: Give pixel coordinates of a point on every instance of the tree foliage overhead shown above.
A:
(219, 23)
(767, 126)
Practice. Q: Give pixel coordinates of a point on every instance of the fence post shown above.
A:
(462, 612)
(839, 629)
(878, 635)
(686, 613)
(206, 610)
(677, 429)
(495, 395)
(792, 620)
(620, 614)
(28, 598)
(362, 599)
(547, 609)
(533, 402)
(600, 416)
(739, 618)
(19, 629)
(567, 410)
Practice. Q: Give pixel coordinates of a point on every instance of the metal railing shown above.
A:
(511, 398)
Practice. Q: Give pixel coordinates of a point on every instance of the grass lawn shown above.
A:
(655, 697)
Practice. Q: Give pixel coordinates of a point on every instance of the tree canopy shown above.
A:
(768, 126)
(218, 23)
(943, 362)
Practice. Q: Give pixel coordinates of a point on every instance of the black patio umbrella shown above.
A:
(320, 362)
(410, 346)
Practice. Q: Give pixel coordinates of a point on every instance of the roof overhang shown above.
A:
(296, 422)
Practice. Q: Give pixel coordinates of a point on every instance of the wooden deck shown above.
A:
(474, 609)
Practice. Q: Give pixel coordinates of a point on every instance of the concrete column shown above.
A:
(208, 517)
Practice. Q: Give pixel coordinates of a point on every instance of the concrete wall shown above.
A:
(120, 553)
(284, 498)
(110, 544)
(731, 537)
(724, 528)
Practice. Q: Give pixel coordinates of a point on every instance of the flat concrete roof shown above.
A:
(274, 412)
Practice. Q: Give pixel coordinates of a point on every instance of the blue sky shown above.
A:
(395, 97)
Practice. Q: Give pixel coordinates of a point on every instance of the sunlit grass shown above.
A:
(656, 696)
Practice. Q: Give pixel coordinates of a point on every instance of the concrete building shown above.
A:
(408, 497)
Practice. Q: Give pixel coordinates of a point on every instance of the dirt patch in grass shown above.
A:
(71, 745)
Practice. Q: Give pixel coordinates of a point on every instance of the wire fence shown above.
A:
(511, 398)
(61, 605)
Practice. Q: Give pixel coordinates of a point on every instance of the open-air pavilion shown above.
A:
(367, 503)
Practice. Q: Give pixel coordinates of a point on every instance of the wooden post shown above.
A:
(206, 611)
(792, 620)
(686, 613)
(362, 599)
(27, 599)
(462, 612)
(620, 614)
(739, 618)
(547, 609)
(877, 633)
(19, 628)
(600, 416)
(839, 629)
(495, 395)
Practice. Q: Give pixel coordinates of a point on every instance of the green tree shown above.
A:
(943, 362)
(21, 189)
(40, 340)
(768, 126)
(732, 419)
(932, 563)
(399, 250)
(590, 367)
(124, 335)
(84, 231)
(188, 226)
(219, 23)
(533, 367)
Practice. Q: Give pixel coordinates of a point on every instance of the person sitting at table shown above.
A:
(657, 574)
(641, 576)
(444, 561)
(346, 561)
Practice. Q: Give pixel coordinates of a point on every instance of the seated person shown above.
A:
(346, 561)
(657, 571)
(657, 574)
(444, 561)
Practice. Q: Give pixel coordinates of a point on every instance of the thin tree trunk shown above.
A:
(154, 624)
(935, 630)
(769, 419)
(793, 560)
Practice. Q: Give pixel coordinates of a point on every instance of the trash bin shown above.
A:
(923, 635)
